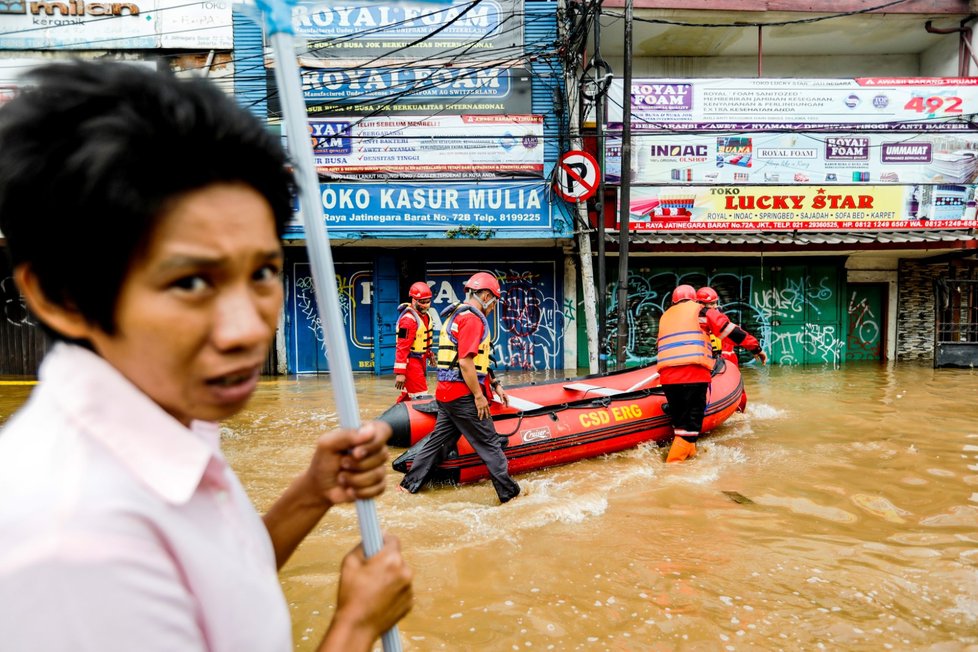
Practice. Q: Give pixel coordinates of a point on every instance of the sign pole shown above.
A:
(278, 18)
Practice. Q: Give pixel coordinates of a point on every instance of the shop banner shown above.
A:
(440, 147)
(871, 103)
(509, 206)
(135, 25)
(418, 91)
(779, 158)
(780, 208)
(410, 29)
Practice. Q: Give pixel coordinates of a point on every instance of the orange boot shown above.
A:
(680, 450)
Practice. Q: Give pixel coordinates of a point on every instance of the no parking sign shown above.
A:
(577, 176)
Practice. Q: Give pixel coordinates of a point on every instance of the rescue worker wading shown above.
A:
(724, 346)
(686, 361)
(413, 348)
(464, 385)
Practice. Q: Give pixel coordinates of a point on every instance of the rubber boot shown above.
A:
(680, 450)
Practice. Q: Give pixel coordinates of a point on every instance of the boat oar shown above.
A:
(643, 382)
(610, 391)
(278, 22)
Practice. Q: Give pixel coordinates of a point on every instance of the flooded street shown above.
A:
(839, 512)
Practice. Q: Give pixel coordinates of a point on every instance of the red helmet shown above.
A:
(683, 293)
(420, 290)
(707, 295)
(483, 281)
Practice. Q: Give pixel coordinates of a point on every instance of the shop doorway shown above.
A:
(866, 333)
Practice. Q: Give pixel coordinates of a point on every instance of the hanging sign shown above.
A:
(577, 176)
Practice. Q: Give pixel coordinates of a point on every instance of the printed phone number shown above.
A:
(501, 217)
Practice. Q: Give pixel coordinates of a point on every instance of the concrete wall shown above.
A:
(915, 314)
(821, 67)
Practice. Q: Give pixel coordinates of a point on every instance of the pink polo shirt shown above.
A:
(122, 530)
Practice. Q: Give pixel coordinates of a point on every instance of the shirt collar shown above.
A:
(165, 455)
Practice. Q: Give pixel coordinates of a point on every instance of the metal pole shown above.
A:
(599, 208)
(288, 82)
(581, 224)
(626, 186)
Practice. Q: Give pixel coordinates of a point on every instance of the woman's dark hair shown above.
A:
(91, 154)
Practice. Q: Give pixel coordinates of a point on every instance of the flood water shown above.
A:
(839, 512)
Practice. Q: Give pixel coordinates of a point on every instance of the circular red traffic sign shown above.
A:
(577, 176)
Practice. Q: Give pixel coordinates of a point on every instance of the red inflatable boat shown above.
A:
(558, 422)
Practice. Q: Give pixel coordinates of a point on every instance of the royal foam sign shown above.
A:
(409, 29)
(414, 90)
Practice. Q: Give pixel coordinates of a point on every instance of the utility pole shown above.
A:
(581, 225)
(599, 202)
(626, 187)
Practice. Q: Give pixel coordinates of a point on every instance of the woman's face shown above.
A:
(196, 313)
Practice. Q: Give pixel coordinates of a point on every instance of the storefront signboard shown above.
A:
(496, 206)
(409, 30)
(438, 147)
(133, 25)
(788, 208)
(870, 103)
(811, 157)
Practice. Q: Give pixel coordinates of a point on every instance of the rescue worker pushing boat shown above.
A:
(415, 333)
(464, 387)
(685, 363)
(708, 297)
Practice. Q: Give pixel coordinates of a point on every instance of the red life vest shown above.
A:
(681, 340)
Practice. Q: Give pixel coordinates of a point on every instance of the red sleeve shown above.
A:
(403, 346)
(469, 334)
(750, 342)
(721, 326)
(717, 321)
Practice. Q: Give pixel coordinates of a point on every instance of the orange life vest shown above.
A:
(681, 340)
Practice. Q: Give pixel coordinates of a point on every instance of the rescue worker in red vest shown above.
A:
(413, 348)
(722, 347)
(463, 391)
(685, 364)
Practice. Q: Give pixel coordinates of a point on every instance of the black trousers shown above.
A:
(687, 405)
(457, 418)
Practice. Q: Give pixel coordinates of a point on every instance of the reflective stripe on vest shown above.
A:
(448, 348)
(681, 340)
(423, 337)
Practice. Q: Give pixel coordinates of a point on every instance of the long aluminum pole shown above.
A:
(288, 82)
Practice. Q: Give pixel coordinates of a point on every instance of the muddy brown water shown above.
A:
(840, 512)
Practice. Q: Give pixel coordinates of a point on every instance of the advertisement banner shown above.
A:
(870, 103)
(779, 158)
(134, 25)
(509, 206)
(780, 208)
(418, 91)
(439, 147)
(409, 29)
